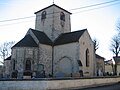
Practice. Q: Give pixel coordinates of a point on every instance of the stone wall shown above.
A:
(108, 68)
(100, 67)
(54, 84)
(7, 67)
(19, 57)
(86, 43)
(45, 58)
(65, 60)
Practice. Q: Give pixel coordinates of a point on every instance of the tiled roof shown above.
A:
(27, 41)
(42, 37)
(8, 58)
(51, 6)
(69, 37)
(64, 38)
(98, 56)
(108, 62)
(116, 57)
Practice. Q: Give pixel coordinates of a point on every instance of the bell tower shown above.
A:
(53, 20)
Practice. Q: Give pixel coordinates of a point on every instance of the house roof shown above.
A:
(116, 59)
(108, 62)
(42, 37)
(27, 41)
(8, 58)
(69, 37)
(51, 6)
(98, 56)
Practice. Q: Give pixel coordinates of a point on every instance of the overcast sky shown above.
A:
(100, 19)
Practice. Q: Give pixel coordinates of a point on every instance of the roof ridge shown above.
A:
(24, 42)
(36, 30)
(51, 6)
(76, 31)
(8, 58)
(42, 37)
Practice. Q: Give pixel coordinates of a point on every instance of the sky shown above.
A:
(100, 20)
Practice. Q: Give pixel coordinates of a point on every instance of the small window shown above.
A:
(13, 64)
(43, 15)
(87, 58)
(62, 16)
(28, 65)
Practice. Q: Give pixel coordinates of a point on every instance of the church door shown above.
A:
(40, 72)
(64, 68)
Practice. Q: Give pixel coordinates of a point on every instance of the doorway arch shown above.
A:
(65, 67)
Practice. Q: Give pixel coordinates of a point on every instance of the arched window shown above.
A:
(43, 15)
(87, 58)
(28, 65)
(62, 16)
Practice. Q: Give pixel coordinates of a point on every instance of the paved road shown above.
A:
(106, 87)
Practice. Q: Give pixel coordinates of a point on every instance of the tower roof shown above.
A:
(51, 6)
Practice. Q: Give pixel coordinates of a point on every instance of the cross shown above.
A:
(53, 1)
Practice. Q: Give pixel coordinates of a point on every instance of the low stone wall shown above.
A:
(51, 84)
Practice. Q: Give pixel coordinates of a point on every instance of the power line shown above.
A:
(23, 18)
(17, 19)
(96, 8)
(70, 10)
(94, 5)
(23, 21)
(15, 23)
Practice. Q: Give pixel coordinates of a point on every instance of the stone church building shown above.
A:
(51, 49)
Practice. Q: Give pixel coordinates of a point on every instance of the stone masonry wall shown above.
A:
(20, 55)
(85, 43)
(45, 58)
(65, 59)
(51, 25)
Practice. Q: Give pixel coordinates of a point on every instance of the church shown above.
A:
(51, 49)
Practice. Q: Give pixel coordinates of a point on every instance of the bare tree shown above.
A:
(5, 49)
(96, 44)
(115, 48)
(115, 45)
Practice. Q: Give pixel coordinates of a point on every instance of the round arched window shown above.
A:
(87, 58)
(43, 15)
(62, 16)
